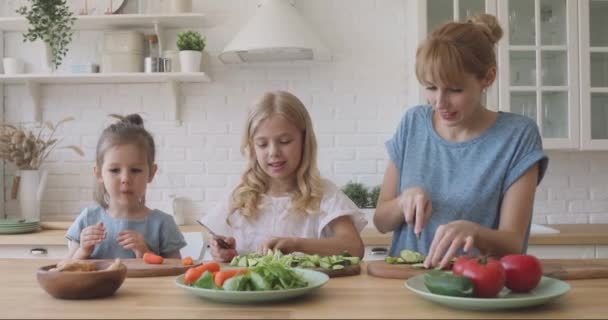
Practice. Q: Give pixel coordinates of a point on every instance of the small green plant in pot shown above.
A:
(374, 194)
(357, 192)
(191, 46)
(50, 21)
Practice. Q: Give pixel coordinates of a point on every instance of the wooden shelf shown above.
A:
(33, 82)
(117, 21)
(91, 78)
(158, 22)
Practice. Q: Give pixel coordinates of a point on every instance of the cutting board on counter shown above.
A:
(564, 269)
(137, 268)
(573, 269)
(346, 272)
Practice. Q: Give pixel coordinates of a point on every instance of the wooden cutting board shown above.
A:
(564, 269)
(137, 268)
(347, 271)
(573, 269)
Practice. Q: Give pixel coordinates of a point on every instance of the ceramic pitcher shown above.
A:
(31, 186)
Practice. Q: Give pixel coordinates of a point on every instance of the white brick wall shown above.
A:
(355, 101)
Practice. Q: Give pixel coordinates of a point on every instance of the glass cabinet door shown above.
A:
(537, 67)
(594, 74)
(436, 12)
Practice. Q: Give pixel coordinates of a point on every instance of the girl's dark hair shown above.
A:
(128, 130)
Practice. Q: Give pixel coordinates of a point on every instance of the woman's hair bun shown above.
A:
(134, 119)
(489, 25)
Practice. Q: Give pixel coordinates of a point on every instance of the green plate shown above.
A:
(548, 289)
(315, 280)
(16, 222)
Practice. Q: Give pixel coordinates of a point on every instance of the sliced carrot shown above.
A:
(192, 274)
(187, 261)
(209, 266)
(151, 258)
(222, 276)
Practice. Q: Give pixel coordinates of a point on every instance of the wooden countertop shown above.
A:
(348, 297)
(570, 234)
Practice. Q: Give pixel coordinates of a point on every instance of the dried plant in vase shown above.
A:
(28, 150)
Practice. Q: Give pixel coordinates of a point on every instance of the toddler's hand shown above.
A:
(285, 245)
(219, 253)
(133, 240)
(449, 238)
(91, 236)
(416, 206)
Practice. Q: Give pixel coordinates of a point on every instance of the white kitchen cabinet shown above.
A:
(538, 67)
(594, 74)
(158, 22)
(552, 64)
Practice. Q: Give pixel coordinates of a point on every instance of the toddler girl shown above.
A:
(121, 226)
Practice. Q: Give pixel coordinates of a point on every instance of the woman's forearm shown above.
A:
(388, 216)
(498, 242)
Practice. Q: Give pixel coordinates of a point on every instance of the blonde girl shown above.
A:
(461, 178)
(281, 202)
(121, 225)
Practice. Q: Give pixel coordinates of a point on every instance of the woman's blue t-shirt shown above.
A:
(465, 180)
(158, 228)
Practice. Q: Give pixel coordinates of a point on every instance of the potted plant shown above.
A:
(28, 150)
(374, 194)
(191, 46)
(50, 21)
(357, 192)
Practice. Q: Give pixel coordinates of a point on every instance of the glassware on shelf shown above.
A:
(524, 103)
(599, 69)
(554, 68)
(598, 24)
(520, 64)
(152, 61)
(599, 116)
(555, 114)
(521, 22)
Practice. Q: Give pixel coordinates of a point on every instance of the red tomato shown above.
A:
(487, 275)
(458, 266)
(523, 272)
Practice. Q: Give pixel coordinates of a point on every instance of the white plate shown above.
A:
(315, 280)
(548, 289)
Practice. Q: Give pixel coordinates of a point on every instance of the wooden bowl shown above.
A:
(80, 284)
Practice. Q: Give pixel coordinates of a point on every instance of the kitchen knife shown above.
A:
(223, 244)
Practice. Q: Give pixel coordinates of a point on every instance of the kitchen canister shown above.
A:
(176, 6)
(172, 57)
(12, 65)
(123, 51)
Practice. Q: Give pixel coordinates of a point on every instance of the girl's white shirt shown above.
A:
(275, 220)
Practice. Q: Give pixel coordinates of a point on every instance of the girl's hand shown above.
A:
(416, 206)
(219, 253)
(133, 240)
(448, 239)
(91, 236)
(285, 245)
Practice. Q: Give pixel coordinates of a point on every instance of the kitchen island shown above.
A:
(349, 297)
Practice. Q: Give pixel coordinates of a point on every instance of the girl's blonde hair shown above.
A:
(128, 130)
(254, 182)
(456, 48)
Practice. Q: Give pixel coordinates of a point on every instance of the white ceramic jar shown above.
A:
(176, 6)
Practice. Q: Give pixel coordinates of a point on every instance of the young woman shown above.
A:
(460, 177)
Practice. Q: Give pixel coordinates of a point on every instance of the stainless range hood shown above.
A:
(276, 32)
